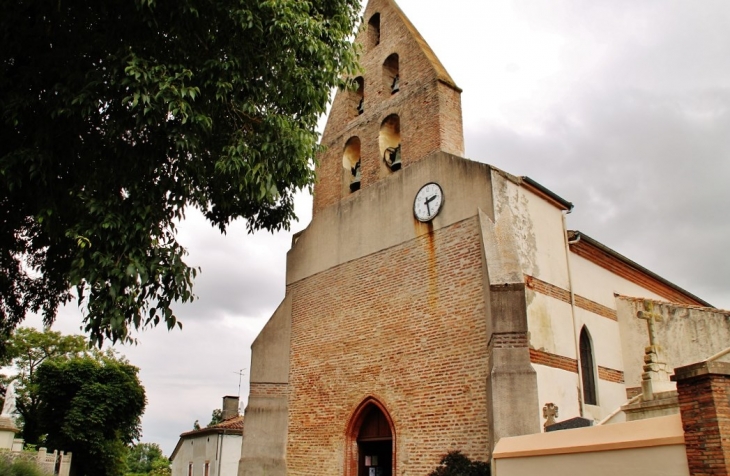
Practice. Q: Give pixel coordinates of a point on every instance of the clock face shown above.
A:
(428, 202)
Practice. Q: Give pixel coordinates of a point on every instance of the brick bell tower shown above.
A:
(405, 107)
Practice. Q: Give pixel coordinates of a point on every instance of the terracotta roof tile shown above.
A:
(235, 423)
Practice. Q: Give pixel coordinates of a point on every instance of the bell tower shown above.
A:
(405, 106)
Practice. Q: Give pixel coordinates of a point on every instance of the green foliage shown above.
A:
(456, 464)
(91, 406)
(19, 467)
(216, 417)
(115, 116)
(27, 349)
(144, 458)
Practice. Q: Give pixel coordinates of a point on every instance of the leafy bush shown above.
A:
(18, 467)
(456, 464)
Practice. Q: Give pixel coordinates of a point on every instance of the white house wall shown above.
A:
(230, 455)
(208, 447)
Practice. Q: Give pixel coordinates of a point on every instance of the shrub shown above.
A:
(456, 464)
(18, 467)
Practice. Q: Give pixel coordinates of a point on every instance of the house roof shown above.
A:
(600, 254)
(231, 426)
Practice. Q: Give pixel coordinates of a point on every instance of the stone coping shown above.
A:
(659, 431)
(701, 368)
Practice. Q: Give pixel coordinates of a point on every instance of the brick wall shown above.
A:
(429, 108)
(269, 389)
(405, 325)
(610, 375)
(571, 365)
(704, 402)
(561, 294)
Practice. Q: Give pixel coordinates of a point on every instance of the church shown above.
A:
(436, 303)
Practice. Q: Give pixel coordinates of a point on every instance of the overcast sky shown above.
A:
(620, 106)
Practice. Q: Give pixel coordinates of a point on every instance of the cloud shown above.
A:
(646, 171)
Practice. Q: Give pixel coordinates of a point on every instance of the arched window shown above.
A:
(374, 31)
(391, 74)
(370, 441)
(358, 96)
(390, 149)
(351, 163)
(587, 368)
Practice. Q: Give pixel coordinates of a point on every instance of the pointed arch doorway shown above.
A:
(370, 441)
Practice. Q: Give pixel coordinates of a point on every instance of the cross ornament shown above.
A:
(650, 317)
(550, 413)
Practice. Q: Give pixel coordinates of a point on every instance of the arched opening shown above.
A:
(587, 368)
(391, 74)
(351, 163)
(390, 149)
(373, 31)
(370, 447)
(359, 96)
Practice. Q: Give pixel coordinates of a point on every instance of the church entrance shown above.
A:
(375, 458)
(374, 442)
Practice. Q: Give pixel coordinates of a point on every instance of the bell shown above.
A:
(395, 87)
(360, 107)
(356, 175)
(392, 158)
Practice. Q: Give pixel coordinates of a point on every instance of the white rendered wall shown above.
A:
(203, 448)
(231, 455)
(599, 284)
(538, 229)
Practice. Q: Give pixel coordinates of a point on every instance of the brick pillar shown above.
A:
(704, 402)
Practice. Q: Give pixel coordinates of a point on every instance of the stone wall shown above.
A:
(687, 334)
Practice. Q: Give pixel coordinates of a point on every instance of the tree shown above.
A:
(216, 417)
(144, 458)
(115, 116)
(91, 406)
(27, 349)
(455, 463)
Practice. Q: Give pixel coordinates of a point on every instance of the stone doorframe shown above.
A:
(353, 429)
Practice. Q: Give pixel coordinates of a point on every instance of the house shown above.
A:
(211, 451)
(435, 303)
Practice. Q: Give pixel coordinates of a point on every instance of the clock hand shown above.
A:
(428, 201)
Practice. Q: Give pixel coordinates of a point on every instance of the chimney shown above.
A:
(230, 407)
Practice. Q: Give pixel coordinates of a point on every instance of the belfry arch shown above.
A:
(370, 445)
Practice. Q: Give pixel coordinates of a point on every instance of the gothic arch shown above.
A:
(368, 414)
(588, 368)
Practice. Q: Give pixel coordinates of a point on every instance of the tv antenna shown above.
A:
(240, 377)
